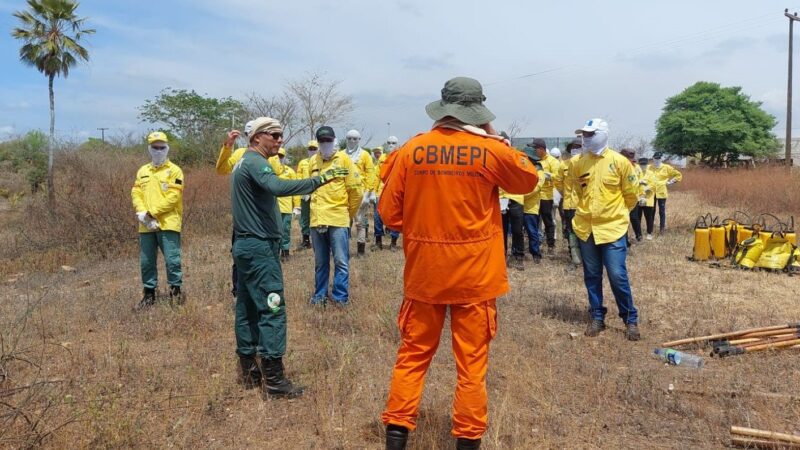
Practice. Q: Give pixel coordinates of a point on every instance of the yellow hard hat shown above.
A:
(157, 136)
(313, 143)
(378, 148)
(282, 151)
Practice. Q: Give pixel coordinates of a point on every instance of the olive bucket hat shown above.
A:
(463, 99)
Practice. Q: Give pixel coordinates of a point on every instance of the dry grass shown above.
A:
(112, 378)
(763, 190)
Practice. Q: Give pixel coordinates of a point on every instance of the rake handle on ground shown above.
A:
(771, 333)
(743, 431)
(749, 442)
(783, 344)
(728, 335)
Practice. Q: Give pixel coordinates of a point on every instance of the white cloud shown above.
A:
(6, 130)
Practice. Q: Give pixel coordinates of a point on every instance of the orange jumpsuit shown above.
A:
(441, 191)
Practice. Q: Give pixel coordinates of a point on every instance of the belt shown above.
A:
(249, 235)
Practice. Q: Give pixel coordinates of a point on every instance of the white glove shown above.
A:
(296, 211)
(365, 199)
(503, 205)
(373, 198)
(671, 182)
(152, 224)
(141, 216)
(548, 176)
(642, 201)
(307, 197)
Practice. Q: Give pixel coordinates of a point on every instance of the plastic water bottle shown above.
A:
(676, 358)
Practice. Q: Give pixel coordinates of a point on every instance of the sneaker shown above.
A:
(649, 237)
(595, 328)
(632, 332)
(148, 299)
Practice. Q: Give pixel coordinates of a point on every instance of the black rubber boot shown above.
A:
(361, 248)
(396, 437)
(276, 384)
(175, 295)
(379, 242)
(468, 444)
(148, 298)
(251, 374)
(393, 245)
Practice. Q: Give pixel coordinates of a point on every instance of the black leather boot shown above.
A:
(148, 298)
(251, 374)
(393, 245)
(275, 382)
(468, 444)
(306, 241)
(175, 295)
(396, 437)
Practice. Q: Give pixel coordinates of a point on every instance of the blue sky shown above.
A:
(616, 60)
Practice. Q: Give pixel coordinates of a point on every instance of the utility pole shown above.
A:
(103, 134)
(792, 19)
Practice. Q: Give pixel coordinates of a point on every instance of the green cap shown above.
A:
(463, 99)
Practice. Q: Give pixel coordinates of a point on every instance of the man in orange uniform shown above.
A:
(441, 192)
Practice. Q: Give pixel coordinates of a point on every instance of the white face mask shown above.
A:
(327, 149)
(657, 163)
(390, 146)
(158, 156)
(352, 144)
(596, 143)
(311, 153)
(643, 166)
(576, 151)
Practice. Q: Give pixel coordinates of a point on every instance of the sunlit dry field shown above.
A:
(80, 369)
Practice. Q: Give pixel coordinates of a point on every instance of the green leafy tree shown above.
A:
(199, 122)
(716, 124)
(51, 35)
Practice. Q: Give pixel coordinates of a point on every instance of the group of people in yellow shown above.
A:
(455, 236)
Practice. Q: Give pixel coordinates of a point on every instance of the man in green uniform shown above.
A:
(260, 323)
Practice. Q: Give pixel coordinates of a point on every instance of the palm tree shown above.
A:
(51, 32)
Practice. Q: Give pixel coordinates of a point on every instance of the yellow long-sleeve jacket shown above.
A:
(647, 186)
(531, 200)
(159, 191)
(661, 176)
(303, 171)
(379, 186)
(335, 203)
(287, 204)
(607, 190)
(366, 169)
(551, 166)
(564, 183)
(228, 158)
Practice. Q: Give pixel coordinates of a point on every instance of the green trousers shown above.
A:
(305, 217)
(170, 244)
(259, 329)
(286, 235)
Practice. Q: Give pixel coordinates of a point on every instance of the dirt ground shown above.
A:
(82, 370)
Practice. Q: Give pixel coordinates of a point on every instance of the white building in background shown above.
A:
(795, 151)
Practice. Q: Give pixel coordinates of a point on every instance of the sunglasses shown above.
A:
(276, 135)
(587, 133)
(325, 140)
(158, 147)
(353, 139)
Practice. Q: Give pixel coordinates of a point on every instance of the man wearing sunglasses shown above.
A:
(260, 323)
(607, 189)
(157, 197)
